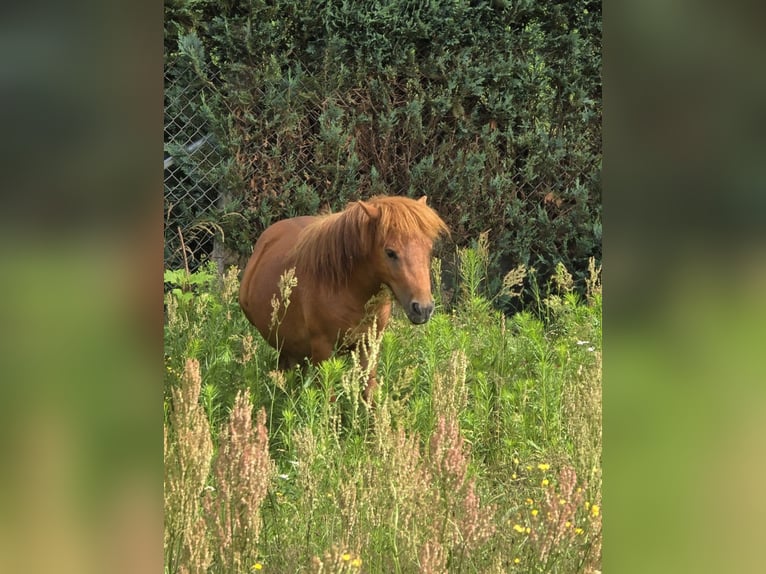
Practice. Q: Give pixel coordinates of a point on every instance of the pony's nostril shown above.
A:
(416, 308)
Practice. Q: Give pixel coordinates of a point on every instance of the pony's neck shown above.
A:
(365, 282)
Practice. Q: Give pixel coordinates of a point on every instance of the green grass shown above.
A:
(483, 425)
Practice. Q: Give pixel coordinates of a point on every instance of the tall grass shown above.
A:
(481, 453)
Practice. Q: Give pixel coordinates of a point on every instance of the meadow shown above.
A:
(481, 452)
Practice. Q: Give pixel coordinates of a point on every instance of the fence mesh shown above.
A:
(192, 184)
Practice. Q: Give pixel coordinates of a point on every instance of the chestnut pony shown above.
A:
(341, 262)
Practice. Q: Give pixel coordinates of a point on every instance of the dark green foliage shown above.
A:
(491, 109)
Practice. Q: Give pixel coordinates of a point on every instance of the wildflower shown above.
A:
(594, 510)
(568, 524)
(530, 501)
(517, 560)
(518, 528)
(356, 562)
(527, 530)
(346, 557)
(545, 482)
(578, 530)
(535, 512)
(257, 566)
(515, 460)
(543, 466)
(513, 476)
(562, 501)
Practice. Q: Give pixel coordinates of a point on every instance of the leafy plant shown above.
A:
(182, 283)
(483, 423)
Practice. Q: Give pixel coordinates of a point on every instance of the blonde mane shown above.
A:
(328, 249)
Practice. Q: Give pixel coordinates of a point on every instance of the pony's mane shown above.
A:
(327, 249)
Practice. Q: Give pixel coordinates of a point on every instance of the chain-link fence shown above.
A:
(192, 190)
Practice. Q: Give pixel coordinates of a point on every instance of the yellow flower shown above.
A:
(346, 557)
(578, 530)
(545, 482)
(527, 530)
(517, 560)
(543, 466)
(257, 566)
(594, 510)
(562, 501)
(529, 501)
(529, 467)
(518, 528)
(515, 460)
(513, 476)
(568, 524)
(534, 511)
(356, 562)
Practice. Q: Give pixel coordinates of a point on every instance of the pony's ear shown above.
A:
(423, 200)
(372, 211)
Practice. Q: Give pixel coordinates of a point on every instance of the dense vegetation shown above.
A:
(482, 452)
(490, 108)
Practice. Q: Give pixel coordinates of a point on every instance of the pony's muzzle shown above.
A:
(418, 313)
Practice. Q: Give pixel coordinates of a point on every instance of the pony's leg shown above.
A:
(372, 379)
(321, 349)
(369, 390)
(383, 315)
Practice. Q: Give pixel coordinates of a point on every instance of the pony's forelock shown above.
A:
(328, 248)
(407, 218)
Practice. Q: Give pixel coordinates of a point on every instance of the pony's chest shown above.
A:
(343, 313)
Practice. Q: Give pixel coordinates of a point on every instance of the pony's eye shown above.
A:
(391, 254)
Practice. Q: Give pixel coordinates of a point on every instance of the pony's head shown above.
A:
(404, 231)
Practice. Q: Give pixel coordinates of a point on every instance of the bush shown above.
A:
(491, 109)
